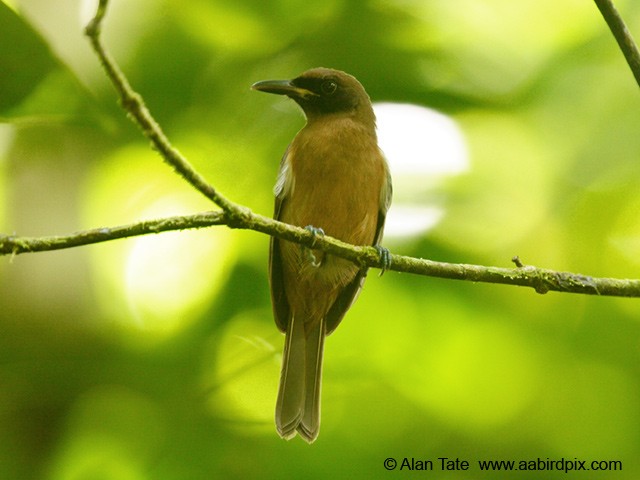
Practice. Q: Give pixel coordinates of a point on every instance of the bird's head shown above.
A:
(323, 91)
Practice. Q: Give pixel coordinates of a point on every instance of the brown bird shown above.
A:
(333, 180)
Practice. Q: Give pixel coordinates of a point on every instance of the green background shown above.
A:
(157, 357)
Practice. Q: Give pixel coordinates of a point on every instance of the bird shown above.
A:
(333, 179)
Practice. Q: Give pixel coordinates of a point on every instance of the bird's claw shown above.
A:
(385, 258)
(316, 232)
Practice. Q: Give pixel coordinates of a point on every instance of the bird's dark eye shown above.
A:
(328, 87)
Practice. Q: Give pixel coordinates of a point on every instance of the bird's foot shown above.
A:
(385, 258)
(316, 232)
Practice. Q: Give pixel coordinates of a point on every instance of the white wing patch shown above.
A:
(284, 181)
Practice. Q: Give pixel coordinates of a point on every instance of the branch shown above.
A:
(237, 216)
(13, 245)
(541, 280)
(622, 35)
(134, 105)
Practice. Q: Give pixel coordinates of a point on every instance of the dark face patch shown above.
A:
(328, 93)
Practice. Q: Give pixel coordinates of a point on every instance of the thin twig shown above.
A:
(623, 36)
(14, 245)
(134, 105)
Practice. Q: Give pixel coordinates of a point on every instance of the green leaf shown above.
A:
(25, 60)
(33, 82)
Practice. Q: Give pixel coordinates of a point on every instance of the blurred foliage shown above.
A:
(156, 358)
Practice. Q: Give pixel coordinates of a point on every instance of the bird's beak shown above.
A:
(282, 87)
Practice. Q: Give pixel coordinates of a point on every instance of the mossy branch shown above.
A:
(237, 216)
(541, 280)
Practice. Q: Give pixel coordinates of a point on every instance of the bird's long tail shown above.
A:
(298, 404)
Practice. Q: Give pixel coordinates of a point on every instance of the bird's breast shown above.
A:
(337, 173)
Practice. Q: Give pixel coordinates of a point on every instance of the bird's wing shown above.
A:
(349, 293)
(281, 310)
(385, 202)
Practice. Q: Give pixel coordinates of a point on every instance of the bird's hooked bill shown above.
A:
(282, 87)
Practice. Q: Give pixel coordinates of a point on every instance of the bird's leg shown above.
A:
(385, 258)
(307, 251)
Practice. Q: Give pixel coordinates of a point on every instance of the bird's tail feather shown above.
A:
(298, 404)
(310, 425)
